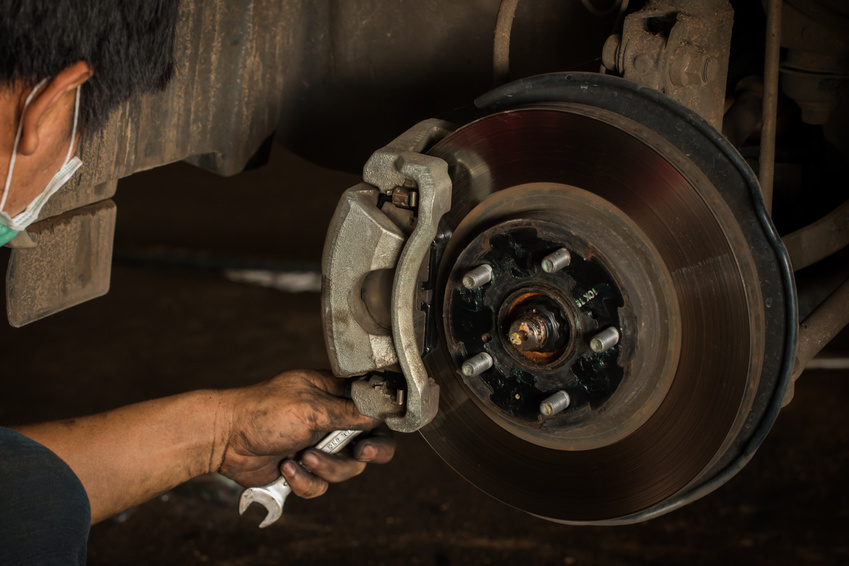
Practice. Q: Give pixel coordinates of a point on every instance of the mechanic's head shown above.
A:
(64, 66)
(126, 45)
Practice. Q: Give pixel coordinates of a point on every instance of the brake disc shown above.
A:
(668, 246)
(606, 314)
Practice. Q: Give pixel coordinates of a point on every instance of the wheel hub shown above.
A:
(548, 292)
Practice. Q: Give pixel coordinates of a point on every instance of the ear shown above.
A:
(43, 113)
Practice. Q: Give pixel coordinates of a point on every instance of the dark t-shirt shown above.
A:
(44, 510)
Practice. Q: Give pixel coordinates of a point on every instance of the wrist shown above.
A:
(223, 405)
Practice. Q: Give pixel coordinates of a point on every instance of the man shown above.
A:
(65, 65)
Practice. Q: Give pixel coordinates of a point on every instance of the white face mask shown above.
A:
(69, 167)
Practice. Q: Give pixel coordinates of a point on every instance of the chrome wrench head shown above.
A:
(271, 496)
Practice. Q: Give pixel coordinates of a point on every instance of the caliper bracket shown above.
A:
(361, 239)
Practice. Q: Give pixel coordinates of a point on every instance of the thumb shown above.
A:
(341, 413)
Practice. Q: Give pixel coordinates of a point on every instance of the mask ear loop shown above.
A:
(18, 140)
(73, 130)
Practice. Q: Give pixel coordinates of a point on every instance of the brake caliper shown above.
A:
(378, 240)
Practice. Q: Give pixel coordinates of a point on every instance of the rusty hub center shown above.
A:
(535, 325)
(529, 333)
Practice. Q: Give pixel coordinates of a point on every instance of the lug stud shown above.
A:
(556, 261)
(476, 365)
(604, 340)
(554, 404)
(478, 277)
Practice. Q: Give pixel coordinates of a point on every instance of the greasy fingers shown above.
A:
(332, 394)
(377, 448)
(317, 469)
(342, 414)
(303, 483)
(334, 468)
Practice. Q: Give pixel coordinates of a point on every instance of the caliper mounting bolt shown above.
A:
(556, 261)
(476, 365)
(553, 404)
(604, 340)
(478, 277)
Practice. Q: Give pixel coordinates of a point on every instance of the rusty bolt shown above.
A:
(528, 333)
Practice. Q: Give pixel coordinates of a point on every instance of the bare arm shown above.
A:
(126, 456)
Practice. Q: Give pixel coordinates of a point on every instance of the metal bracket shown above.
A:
(355, 247)
(679, 48)
(360, 240)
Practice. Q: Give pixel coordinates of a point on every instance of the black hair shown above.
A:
(128, 43)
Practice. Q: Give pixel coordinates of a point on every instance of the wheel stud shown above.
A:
(604, 340)
(554, 404)
(477, 277)
(476, 365)
(556, 261)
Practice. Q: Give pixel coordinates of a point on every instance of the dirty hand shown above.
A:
(277, 419)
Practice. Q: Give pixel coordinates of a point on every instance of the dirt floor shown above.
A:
(173, 323)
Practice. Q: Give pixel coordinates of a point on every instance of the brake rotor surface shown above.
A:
(700, 313)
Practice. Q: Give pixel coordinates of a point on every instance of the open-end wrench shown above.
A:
(273, 495)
